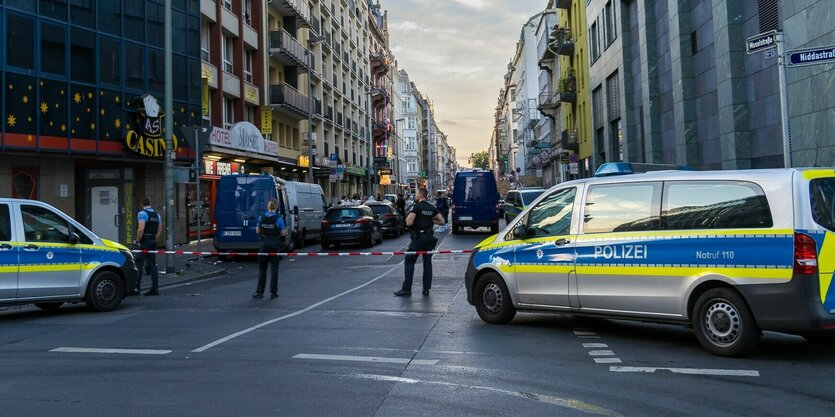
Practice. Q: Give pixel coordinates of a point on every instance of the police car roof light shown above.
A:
(625, 168)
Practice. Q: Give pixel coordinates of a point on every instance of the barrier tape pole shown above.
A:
(301, 254)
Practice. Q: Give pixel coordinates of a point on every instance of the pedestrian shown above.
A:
(401, 206)
(148, 232)
(271, 230)
(421, 219)
(442, 203)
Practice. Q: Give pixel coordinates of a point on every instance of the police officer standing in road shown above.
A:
(271, 229)
(422, 217)
(148, 231)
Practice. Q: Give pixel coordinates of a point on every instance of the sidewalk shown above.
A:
(187, 268)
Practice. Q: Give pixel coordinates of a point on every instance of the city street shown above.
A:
(337, 343)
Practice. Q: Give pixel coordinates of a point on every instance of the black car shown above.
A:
(389, 217)
(351, 224)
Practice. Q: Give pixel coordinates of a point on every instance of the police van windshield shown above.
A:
(822, 194)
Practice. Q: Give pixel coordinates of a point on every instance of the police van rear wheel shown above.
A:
(724, 324)
(492, 300)
(105, 291)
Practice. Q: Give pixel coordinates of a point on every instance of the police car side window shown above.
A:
(5, 224)
(714, 205)
(622, 207)
(42, 225)
(552, 216)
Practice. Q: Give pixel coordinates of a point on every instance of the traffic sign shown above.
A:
(334, 157)
(810, 56)
(761, 42)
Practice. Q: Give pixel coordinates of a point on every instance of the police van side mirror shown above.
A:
(521, 231)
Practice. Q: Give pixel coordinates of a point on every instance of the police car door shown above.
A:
(545, 260)
(49, 264)
(8, 255)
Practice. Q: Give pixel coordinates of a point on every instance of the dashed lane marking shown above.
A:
(686, 371)
(607, 360)
(595, 345)
(601, 353)
(375, 359)
(117, 351)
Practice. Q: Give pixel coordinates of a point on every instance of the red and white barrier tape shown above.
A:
(396, 253)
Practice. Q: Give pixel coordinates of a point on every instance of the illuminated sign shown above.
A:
(149, 142)
(222, 168)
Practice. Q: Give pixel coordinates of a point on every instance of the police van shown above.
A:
(731, 253)
(48, 259)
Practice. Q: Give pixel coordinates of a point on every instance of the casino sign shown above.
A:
(149, 141)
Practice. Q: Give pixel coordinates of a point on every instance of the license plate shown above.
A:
(232, 233)
(467, 218)
(342, 225)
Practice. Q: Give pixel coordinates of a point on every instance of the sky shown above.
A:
(456, 52)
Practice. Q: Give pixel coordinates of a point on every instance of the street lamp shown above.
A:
(310, 42)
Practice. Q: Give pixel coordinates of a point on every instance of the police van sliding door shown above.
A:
(49, 264)
(8, 256)
(546, 258)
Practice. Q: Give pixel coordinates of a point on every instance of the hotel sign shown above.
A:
(244, 137)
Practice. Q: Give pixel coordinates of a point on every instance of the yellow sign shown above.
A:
(152, 147)
(250, 93)
(205, 95)
(266, 120)
(206, 72)
(304, 161)
(385, 180)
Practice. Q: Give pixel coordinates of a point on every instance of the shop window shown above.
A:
(20, 42)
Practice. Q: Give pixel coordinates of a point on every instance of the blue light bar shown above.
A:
(625, 168)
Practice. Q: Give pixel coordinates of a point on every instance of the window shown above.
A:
(134, 66)
(227, 4)
(156, 71)
(610, 22)
(228, 51)
(205, 41)
(53, 54)
(248, 65)
(135, 20)
(622, 208)
(110, 17)
(412, 167)
(412, 122)
(613, 90)
(82, 51)
(594, 42)
(822, 194)
(42, 225)
(248, 12)
(552, 216)
(20, 42)
(83, 13)
(249, 113)
(110, 61)
(5, 224)
(714, 205)
(228, 112)
(56, 9)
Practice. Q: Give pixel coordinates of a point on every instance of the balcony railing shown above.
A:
(562, 42)
(288, 98)
(287, 49)
(569, 141)
(298, 8)
(564, 4)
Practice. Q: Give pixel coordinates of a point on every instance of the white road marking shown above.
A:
(588, 337)
(119, 351)
(584, 333)
(686, 371)
(601, 353)
(296, 313)
(545, 399)
(595, 345)
(607, 360)
(376, 359)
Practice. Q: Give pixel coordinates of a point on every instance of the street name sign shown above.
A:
(761, 42)
(810, 56)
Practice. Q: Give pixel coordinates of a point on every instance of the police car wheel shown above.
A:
(50, 306)
(492, 300)
(723, 323)
(105, 291)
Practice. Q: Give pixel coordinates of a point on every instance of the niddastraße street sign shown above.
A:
(761, 42)
(811, 56)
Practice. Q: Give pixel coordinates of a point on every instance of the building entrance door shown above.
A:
(104, 210)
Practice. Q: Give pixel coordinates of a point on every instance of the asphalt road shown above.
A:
(338, 343)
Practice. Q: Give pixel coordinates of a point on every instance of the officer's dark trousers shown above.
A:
(421, 242)
(149, 260)
(272, 261)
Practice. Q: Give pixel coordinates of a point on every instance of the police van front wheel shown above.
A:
(105, 291)
(492, 300)
(724, 324)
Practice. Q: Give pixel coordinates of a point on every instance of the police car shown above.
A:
(48, 259)
(731, 253)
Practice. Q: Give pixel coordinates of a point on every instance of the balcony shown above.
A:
(561, 41)
(297, 8)
(569, 142)
(563, 4)
(378, 91)
(289, 100)
(380, 62)
(287, 50)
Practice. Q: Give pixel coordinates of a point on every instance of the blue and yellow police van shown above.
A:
(731, 253)
(48, 259)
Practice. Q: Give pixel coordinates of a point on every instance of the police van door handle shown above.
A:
(562, 241)
(31, 247)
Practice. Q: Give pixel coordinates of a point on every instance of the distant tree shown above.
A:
(480, 160)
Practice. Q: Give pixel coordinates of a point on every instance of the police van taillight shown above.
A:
(805, 254)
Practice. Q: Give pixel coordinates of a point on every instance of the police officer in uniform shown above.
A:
(271, 229)
(422, 217)
(148, 231)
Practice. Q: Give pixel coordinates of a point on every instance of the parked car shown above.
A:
(351, 224)
(391, 198)
(518, 200)
(389, 217)
(49, 259)
(308, 205)
(475, 201)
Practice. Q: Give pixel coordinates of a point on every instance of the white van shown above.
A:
(731, 253)
(308, 205)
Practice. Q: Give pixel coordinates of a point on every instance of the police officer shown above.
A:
(148, 231)
(271, 229)
(421, 219)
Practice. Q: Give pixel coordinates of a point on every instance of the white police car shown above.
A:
(47, 258)
(730, 252)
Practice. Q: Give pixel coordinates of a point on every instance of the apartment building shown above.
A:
(382, 124)
(410, 130)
